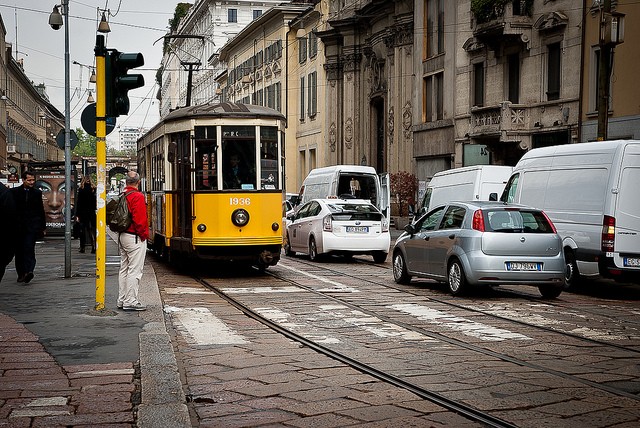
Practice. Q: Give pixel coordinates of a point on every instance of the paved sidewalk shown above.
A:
(64, 364)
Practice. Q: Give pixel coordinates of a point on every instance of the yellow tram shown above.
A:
(213, 176)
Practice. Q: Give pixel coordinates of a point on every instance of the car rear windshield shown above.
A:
(345, 212)
(509, 221)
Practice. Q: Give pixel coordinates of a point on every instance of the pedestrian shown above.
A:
(86, 213)
(30, 226)
(8, 222)
(132, 245)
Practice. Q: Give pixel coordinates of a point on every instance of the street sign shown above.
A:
(73, 139)
(88, 120)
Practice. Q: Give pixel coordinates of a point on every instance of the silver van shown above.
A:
(590, 192)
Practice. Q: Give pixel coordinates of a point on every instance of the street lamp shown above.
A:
(56, 21)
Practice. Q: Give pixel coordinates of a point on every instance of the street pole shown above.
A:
(67, 145)
(603, 74)
(101, 164)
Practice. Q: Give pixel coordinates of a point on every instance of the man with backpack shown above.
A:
(132, 244)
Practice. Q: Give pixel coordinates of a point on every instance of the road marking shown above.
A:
(282, 318)
(203, 327)
(186, 290)
(338, 287)
(370, 323)
(260, 290)
(467, 327)
(560, 325)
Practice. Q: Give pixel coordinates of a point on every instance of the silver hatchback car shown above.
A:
(476, 243)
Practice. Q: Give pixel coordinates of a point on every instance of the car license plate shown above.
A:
(524, 266)
(631, 262)
(357, 229)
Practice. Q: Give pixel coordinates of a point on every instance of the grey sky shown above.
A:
(137, 24)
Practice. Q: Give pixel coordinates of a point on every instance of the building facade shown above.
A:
(369, 95)
(624, 93)
(32, 123)
(191, 64)
(260, 60)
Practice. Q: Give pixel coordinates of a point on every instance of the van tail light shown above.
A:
(553, 226)
(385, 224)
(478, 221)
(327, 224)
(608, 233)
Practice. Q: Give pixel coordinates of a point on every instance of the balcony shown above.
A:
(497, 121)
(498, 21)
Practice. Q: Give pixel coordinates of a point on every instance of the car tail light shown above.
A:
(385, 224)
(327, 225)
(553, 226)
(478, 221)
(608, 233)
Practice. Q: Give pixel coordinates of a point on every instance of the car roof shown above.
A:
(488, 205)
(343, 201)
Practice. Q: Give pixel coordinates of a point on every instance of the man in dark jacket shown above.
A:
(8, 222)
(30, 227)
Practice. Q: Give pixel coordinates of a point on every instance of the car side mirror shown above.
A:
(493, 196)
(410, 229)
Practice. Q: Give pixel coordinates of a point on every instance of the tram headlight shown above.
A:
(275, 226)
(240, 217)
(202, 227)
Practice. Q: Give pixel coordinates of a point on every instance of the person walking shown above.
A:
(86, 213)
(132, 245)
(8, 222)
(30, 226)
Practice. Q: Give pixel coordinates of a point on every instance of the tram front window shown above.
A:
(239, 157)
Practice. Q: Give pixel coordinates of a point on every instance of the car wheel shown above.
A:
(550, 291)
(400, 274)
(379, 256)
(456, 279)
(313, 249)
(287, 248)
(571, 274)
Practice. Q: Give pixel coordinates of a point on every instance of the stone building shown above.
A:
(31, 122)
(260, 61)
(624, 108)
(192, 55)
(369, 95)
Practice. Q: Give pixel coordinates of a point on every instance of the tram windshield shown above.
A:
(232, 163)
(239, 157)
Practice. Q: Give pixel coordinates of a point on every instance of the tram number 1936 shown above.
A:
(239, 201)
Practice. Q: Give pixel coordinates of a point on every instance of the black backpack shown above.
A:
(118, 215)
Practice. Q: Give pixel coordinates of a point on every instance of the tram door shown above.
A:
(182, 185)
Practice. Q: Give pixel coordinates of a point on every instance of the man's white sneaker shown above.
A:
(135, 307)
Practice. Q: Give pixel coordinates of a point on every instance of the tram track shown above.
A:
(460, 408)
(493, 315)
(457, 406)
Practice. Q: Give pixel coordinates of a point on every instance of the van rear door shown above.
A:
(627, 214)
(385, 195)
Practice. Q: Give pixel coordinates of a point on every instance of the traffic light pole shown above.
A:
(101, 162)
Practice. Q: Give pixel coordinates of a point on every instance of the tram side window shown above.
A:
(239, 157)
(206, 168)
(269, 158)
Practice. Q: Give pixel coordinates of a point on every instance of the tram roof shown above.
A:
(223, 110)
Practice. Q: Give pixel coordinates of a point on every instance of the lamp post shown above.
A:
(56, 21)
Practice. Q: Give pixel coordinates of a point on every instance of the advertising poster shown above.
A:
(50, 180)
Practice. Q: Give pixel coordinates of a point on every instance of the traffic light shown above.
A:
(118, 82)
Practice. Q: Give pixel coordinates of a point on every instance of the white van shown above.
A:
(469, 183)
(348, 181)
(590, 192)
